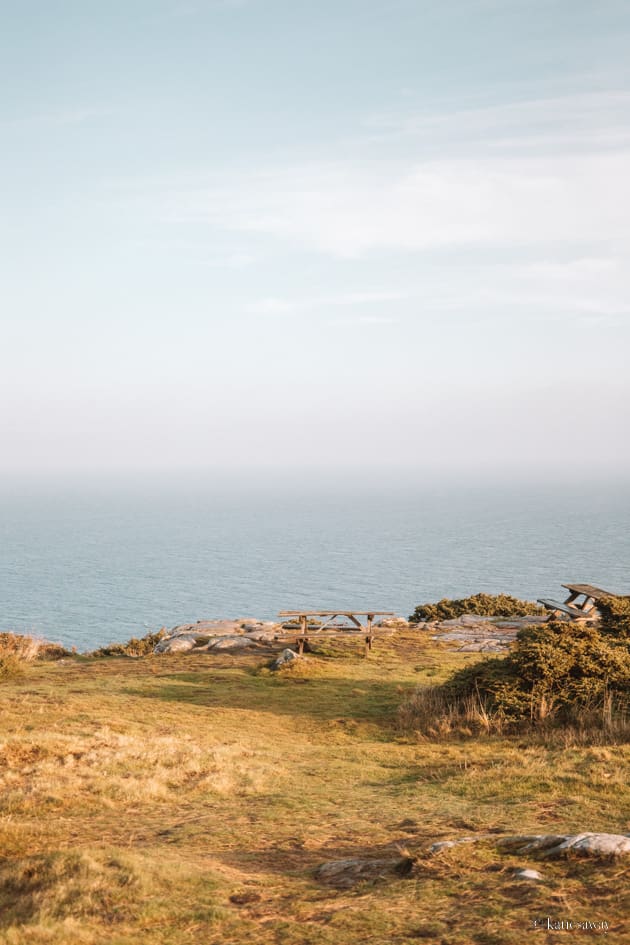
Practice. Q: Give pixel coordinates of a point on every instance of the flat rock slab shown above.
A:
(208, 628)
(194, 643)
(347, 873)
(230, 643)
(205, 635)
(479, 634)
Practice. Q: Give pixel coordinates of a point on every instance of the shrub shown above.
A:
(10, 665)
(16, 650)
(557, 671)
(23, 648)
(488, 605)
(615, 617)
(142, 646)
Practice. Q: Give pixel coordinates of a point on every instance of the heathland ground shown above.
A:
(190, 799)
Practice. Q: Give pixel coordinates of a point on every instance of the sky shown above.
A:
(287, 235)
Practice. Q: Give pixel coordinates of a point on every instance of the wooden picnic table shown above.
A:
(302, 616)
(573, 606)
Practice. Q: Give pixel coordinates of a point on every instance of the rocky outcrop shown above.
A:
(348, 872)
(220, 635)
(557, 845)
(550, 845)
(478, 634)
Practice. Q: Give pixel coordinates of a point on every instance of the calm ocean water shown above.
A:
(89, 566)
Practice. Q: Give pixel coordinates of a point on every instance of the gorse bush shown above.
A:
(142, 646)
(557, 672)
(555, 666)
(487, 605)
(615, 617)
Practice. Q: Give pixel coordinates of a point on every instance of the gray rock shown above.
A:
(231, 642)
(519, 622)
(175, 645)
(346, 873)
(207, 628)
(556, 845)
(286, 657)
(528, 875)
(261, 636)
(251, 626)
(447, 844)
(393, 623)
(483, 646)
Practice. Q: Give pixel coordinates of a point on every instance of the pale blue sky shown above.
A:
(267, 233)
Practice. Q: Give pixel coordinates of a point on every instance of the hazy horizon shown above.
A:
(371, 237)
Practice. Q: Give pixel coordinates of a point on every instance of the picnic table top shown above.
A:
(590, 590)
(336, 613)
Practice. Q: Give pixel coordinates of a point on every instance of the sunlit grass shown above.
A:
(191, 799)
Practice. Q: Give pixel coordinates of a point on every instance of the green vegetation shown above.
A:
(191, 798)
(615, 617)
(487, 605)
(558, 673)
(142, 646)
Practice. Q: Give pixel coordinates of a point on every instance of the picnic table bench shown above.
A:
(581, 604)
(302, 618)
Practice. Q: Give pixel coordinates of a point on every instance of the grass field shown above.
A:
(181, 799)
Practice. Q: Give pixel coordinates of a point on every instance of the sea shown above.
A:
(87, 564)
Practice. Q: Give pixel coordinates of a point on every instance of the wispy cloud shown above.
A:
(57, 117)
(588, 121)
(350, 209)
(285, 306)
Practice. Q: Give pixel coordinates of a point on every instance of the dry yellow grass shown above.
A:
(190, 799)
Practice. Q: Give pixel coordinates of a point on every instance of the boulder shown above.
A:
(230, 642)
(550, 845)
(285, 659)
(556, 845)
(175, 645)
(346, 873)
(393, 623)
(448, 844)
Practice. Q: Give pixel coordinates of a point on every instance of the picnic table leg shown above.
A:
(302, 638)
(368, 638)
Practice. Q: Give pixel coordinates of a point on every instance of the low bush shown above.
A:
(142, 646)
(487, 605)
(557, 673)
(17, 650)
(615, 617)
